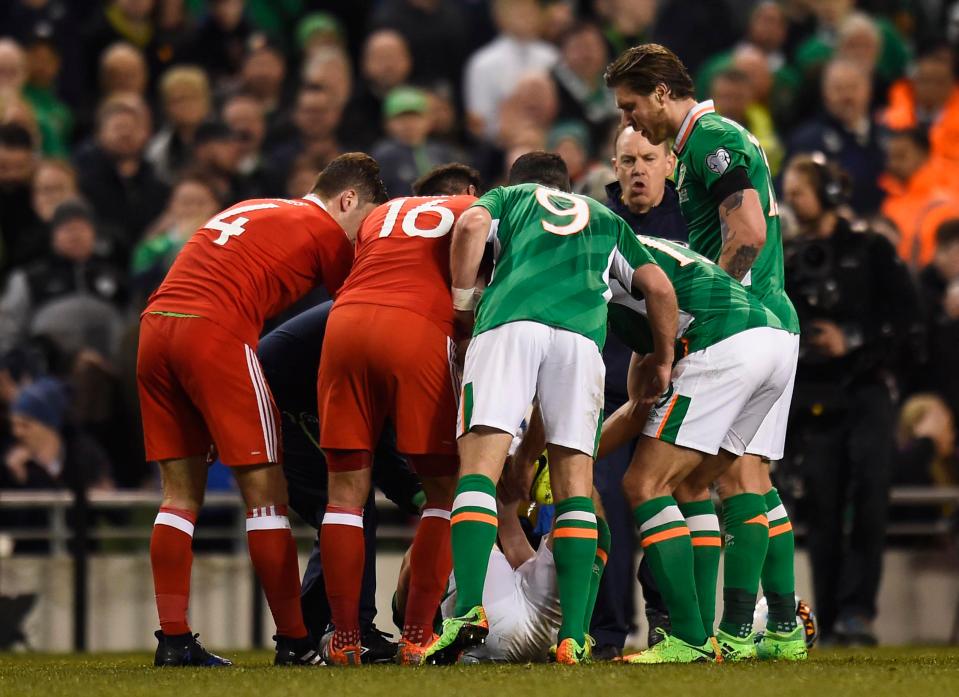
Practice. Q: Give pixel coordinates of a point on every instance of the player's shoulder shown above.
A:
(713, 128)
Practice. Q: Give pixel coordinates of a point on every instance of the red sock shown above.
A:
(343, 554)
(171, 556)
(273, 553)
(430, 565)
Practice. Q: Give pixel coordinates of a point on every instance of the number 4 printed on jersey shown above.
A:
(236, 227)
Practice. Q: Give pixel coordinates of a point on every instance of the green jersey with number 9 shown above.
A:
(707, 146)
(554, 253)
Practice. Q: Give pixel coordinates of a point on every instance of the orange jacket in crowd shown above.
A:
(919, 206)
(944, 134)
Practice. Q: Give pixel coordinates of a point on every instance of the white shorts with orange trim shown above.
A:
(720, 396)
(770, 440)
(510, 365)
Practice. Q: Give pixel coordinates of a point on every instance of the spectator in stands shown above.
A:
(570, 140)
(929, 100)
(532, 105)
(329, 70)
(44, 454)
(54, 118)
(193, 201)
(578, 75)
(432, 28)
(494, 72)
(185, 98)
(129, 21)
(13, 66)
(407, 153)
(386, 63)
(54, 181)
(921, 193)
(301, 177)
(71, 295)
(319, 30)
(766, 32)
(17, 163)
(927, 443)
(219, 42)
(316, 117)
(114, 175)
(939, 289)
(846, 133)
(263, 75)
(216, 157)
(831, 15)
(244, 116)
(123, 69)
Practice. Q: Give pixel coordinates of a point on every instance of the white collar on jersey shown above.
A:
(692, 116)
(315, 199)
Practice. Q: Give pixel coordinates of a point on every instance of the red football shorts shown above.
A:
(200, 385)
(381, 362)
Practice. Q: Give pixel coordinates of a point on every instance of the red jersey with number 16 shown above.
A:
(253, 260)
(403, 257)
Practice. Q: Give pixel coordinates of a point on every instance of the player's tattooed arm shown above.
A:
(743, 227)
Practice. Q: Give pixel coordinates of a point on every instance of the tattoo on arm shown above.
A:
(742, 261)
(731, 202)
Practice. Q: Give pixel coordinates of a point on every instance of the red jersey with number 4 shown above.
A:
(253, 260)
(403, 257)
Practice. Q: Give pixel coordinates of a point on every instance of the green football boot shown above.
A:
(672, 649)
(459, 634)
(776, 646)
(570, 653)
(735, 649)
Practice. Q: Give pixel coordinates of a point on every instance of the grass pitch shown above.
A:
(875, 673)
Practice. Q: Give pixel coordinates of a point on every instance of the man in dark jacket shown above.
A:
(846, 133)
(648, 202)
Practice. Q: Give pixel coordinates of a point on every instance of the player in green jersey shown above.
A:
(727, 198)
(539, 331)
(726, 380)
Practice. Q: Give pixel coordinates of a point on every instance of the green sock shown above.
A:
(574, 549)
(747, 536)
(707, 545)
(779, 579)
(473, 525)
(599, 563)
(665, 538)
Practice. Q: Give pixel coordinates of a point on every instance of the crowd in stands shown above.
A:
(124, 124)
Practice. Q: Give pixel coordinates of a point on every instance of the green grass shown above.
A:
(875, 673)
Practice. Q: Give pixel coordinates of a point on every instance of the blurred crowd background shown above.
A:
(124, 124)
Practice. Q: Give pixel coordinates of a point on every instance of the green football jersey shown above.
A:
(554, 253)
(707, 146)
(712, 304)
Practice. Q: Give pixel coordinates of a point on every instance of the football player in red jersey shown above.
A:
(389, 353)
(200, 385)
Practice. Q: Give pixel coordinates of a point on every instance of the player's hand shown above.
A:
(828, 338)
(650, 379)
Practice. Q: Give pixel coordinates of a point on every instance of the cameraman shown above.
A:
(857, 305)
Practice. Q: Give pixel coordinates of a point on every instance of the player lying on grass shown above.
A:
(389, 354)
(520, 594)
(290, 353)
(539, 329)
(201, 386)
(728, 376)
(727, 198)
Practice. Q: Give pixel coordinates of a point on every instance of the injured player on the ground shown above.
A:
(521, 595)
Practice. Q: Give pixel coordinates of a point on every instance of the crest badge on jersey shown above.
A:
(718, 161)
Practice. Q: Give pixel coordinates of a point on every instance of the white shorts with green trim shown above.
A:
(770, 440)
(719, 397)
(509, 365)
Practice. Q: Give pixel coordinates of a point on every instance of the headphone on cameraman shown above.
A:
(832, 185)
